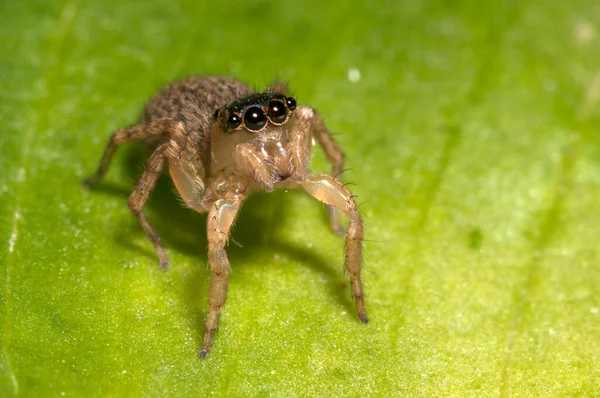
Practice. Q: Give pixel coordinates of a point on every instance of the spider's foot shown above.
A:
(162, 258)
(363, 318)
(88, 183)
(207, 343)
(93, 179)
(361, 311)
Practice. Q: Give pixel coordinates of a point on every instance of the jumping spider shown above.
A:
(221, 141)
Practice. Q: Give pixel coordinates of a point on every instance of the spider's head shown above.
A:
(260, 113)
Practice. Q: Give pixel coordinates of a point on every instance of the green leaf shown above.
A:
(471, 135)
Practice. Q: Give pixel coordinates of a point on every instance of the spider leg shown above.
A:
(332, 150)
(138, 198)
(220, 218)
(332, 192)
(185, 174)
(186, 169)
(122, 136)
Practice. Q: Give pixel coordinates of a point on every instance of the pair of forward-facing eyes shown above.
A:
(254, 118)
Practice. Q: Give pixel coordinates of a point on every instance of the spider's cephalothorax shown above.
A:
(259, 125)
(221, 142)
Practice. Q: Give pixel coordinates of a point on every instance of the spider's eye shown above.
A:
(216, 114)
(277, 112)
(255, 118)
(291, 103)
(234, 121)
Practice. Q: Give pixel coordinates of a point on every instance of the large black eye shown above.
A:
(234, 121)
(291, 103)
(277, 112)
(254, 118)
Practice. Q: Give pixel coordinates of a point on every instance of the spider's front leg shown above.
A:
(332, 192)
(310, 124)
(220, 218)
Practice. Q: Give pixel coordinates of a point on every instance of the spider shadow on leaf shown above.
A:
(260, 226)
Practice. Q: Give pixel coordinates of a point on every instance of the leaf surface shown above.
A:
(471, 135)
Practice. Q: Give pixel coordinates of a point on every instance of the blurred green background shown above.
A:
(471, 134)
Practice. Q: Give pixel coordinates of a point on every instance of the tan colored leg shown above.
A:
(186, 169)
(122, 136)
(332, 192)
(333, 152)
(220, 218)
(301, 144)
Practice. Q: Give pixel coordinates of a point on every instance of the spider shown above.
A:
(221, 141)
